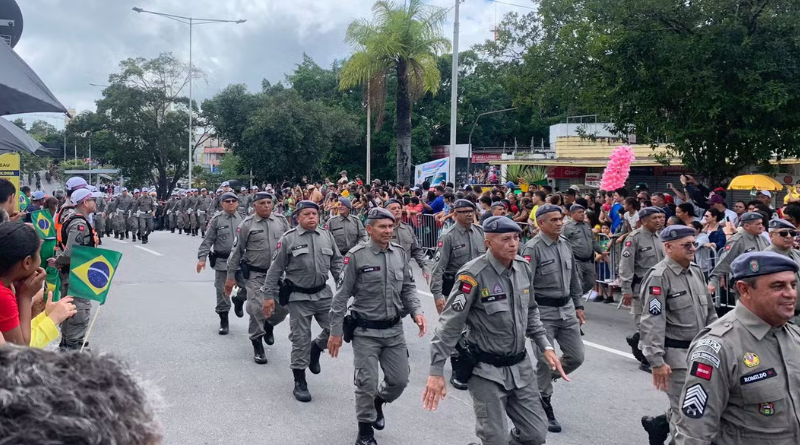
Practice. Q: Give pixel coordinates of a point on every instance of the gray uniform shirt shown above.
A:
(743, 386)
(582, 240)
(145, 204)
(642, 250)
(676, 306)
(381, 284)
(190, 205)
(499, 309)
(738, 244)
(403, 234)
(456, 247)
(307, 257)
(791, 253)
(554, 275)
(203, 203)
(256, 241)
(221, 234)
(347, 231)
(125, 202)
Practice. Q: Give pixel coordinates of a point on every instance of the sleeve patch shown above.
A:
(467, 279)
(81, 227)
(440, 243)
(701, 370)
(655, 290)
(628, 243)
(466, 287)
(654, 307)
(705, 356)
(459, 302)
(528, 258)
(728, 247)
(346, 260)
(626, 254)
(713, 344)
(694, 401)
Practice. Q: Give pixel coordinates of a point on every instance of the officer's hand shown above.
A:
(627, 299)
(581, 315)
(661, 377)
(711, 289)
(267, 307)
(334, 343)
(427, 277)
(423, 327)
(200, 266)
(555, 363)
(229, 286)
(440, 304)
(435, 390)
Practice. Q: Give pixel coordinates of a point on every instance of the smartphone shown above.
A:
(669, 185)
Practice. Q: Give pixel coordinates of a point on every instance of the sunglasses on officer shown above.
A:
(229, 201)
(785, 233)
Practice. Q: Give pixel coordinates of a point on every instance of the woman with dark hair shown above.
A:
(712, 228)
(19, 268)
(685, 212)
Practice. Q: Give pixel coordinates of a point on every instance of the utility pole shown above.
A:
(454, 100)
(369, 137)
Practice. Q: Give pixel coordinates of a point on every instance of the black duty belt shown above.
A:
(497, 360)
(678, 344)
(377, 324)
(583, 260)
(636, 280)
(309, 290)
(552, 302)
(258, 269)
(222, 255)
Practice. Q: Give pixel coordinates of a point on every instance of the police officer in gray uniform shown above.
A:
(782, 235)
(124, 203)
(308, 255)
(378, 276)
(557, 288)
(642, 250)
(493, 296)
(172, 212)
(677, 307)
(221, 235)
(191, 211)
(145, 207)
(346, 229)
(584, 245)
(404, 235)
(99, 218)
(111, 210)
(743, 384)
(748, 240)
(133, 215)
(253, 250)
(203, 203)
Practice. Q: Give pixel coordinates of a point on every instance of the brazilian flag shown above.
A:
(91, 272)
(43, 223)
(53, 282)
(24, 202)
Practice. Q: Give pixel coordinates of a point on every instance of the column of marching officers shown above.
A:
(726, 379)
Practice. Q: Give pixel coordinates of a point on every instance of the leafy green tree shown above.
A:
(402, 40)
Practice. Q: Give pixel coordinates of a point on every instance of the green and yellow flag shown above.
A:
(91, 272)
(24, 202)
(43, 223)
(53, 282)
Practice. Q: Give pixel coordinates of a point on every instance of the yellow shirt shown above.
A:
(532, 217)
(43, 331)
(791, 194)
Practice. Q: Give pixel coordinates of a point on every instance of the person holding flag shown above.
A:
(37, 203)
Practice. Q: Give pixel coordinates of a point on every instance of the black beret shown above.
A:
(229, 195)
(379, 213)
(778, 224)
(649, 211)
(346, 202)
(464, 204)
(754, 264)
(263, 195)
(547, 208)
(673, 233)
(751, 216)
(500, 224)
(302, 205)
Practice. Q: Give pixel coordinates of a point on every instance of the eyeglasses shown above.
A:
(785, 233)
(230, 201)
(689, 246)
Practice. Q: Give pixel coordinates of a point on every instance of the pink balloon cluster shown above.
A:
(618, 168)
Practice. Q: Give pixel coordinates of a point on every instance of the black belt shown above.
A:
(636, 280)
(583, 260)
(310, 290)
(377, 324)
(552, 302)
(224, 256)
(497, 360)
(678, 344)
(258, 269)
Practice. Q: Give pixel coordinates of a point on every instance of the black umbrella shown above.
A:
(15, 139)
(21, 90)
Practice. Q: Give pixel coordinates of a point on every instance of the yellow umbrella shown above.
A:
(758, 182)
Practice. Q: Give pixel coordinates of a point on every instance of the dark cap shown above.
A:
(392, 201)
(263, 195)
(778, 224)
(498, 204)
(649, 211)
(346, 202)
(754, 264)
(547, 208)
(229, 195)
(500, 224)
(673, 233)
(463, 204)
(576, 207)
(379, 213)
(751, 216)
(302, 205)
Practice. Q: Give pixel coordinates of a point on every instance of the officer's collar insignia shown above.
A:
(754, 265)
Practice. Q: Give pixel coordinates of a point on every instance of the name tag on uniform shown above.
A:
(370, 269)
(545, 263)
(253, 232)
(677, 294)
(645, 249)
(459, 247)
(338, 228)
(493, 298)
(222, 227)
(750, 249)
(299, 250)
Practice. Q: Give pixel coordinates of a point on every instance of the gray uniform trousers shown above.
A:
(133, 223)
(492, 402)
(193, 221)
(255, 299)
(563, 326)
(99, 224)
(73, 329)
(223, 302)
(676, 382)
(586, 273)
(301, 312)
(202, 221)
(118, 222)
(636, 306)
(391, 354)
(145, 223)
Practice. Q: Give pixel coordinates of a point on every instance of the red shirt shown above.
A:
(9, 311)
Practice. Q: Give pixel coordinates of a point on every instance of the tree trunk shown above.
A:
(403, 125)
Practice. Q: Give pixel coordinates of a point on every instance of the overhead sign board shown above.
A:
(10, 22)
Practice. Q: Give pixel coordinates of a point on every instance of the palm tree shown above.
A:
(406, 39)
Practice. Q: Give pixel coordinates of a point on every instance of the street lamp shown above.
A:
(191, 21)
(474, 124)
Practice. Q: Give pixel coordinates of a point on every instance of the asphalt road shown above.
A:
(160, 318)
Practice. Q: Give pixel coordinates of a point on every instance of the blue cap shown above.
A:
(258, 196)
(379, 213)
(547, 208)
(464, 204)
(779, 224)
(673, 233)
(346, 202)
(754, 264)
(392, 201)
(649, 211)
(576, 207)
(500, 224)
(37, 195)
(228, 195)
(302, 205)
(751, 216)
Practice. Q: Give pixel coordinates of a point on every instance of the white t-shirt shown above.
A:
(632, 220)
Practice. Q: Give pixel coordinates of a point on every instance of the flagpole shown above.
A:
(89, 332)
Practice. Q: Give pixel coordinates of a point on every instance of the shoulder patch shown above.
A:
(459, 302)
(467, 279)
(694, 401)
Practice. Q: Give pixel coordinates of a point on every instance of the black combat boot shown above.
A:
(127, 234)
(238, 306)
(633, 342)
(188, 232)
(657, 429)
(300, 386)
(203, 233)
(313, 365)
(269, 336)
(258, 352)
(180, 231)
(380, 422)
(552, 424)
(133, 240)
(194, 232)
(223, 323)
(365, 434)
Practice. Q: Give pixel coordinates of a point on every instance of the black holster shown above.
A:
(245, 269)
(464, 363)
(349, 328)
(448, 280)
(284, 291)
(212, 259)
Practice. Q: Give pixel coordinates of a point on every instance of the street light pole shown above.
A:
(474, 124)
(454, 99)
(191, 21)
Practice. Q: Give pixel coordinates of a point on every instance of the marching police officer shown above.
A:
(244, 198)
(677, 307)
(99, 217)
(221, 235)
(642, 250)
(494, 297)
(346, 229)
(404, 235)
(133, 214)
(181, 218)
(111, 211)
(743, 383)
(203, 203)
(124, 203)
(584, 245)
(144, 210)
(191, 206)
(782, 235)
(172, 212)
(307, 254)
(379, 277)
(749, 240)
(254, 248)
(557, 289)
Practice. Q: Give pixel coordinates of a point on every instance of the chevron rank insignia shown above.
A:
(654, 307)
(694, 401)
(459, 302)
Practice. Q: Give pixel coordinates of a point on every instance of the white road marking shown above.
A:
(587, 343)
(117, 241)
(148, 250)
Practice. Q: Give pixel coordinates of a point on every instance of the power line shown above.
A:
(514, 4)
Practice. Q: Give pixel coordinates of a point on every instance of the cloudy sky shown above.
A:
(72, 43)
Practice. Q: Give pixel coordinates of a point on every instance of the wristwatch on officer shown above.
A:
(549, 348)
